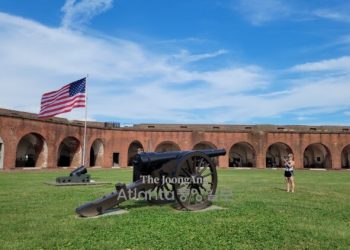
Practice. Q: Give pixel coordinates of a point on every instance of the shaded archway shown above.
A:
(31, 151)
(317, 155)
(2, 148)
(276, 153)
(96, 153)
(242, 154)
(69, 152)
(133, 149)
(345, 157)
(167, 146)
(206, 145)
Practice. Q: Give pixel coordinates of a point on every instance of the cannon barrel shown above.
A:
(148, 158)
(213, 152)
(78, 175)
(78, 171)
(144, 163)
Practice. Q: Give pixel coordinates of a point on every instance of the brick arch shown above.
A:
(2, 153)
(134, 148)
(317, 155)
(345, 157)
(31, 151)
(167, 146)
(204, 145)
(69, 152)
(96, 153)
(242, 154)
(276, 152)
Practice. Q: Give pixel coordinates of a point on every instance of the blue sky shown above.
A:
(193, 61)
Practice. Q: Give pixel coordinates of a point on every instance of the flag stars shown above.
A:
(77, 87)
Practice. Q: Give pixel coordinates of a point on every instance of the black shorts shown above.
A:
(288, 174)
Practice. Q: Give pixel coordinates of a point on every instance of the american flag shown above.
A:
(63, 100)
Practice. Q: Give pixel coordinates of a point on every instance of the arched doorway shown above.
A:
(31, 151)
(317, 155)
(133, 149)
(167, 146)
(96, 153)
(242, 154)
(276, 153)
(207, 145)
(345, 157)
(69, 153)
(1, 153)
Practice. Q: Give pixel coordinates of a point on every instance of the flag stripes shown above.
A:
(63, 100)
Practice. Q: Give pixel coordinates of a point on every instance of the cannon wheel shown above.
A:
(200, 181)
(161, 194)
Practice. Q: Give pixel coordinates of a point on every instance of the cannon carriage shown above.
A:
(78, 175)
(189, 177)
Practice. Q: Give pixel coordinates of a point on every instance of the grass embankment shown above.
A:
(259, 215)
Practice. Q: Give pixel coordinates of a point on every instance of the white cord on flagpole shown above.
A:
(84, 144)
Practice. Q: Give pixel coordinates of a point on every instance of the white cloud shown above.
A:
(259, 12)
(337, 64)
(38, 59)
(334, 15)
(78, 13)
(131, 83)
(187, 57)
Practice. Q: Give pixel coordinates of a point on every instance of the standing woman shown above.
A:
(289, 173)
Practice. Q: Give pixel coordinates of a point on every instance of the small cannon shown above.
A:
(78, 175)
(189, 177)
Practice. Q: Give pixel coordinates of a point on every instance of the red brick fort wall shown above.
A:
(14, 125)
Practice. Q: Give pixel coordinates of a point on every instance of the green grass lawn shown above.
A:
(259, 215)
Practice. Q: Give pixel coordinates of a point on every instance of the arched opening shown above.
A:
(167, 146)
(133, 149)
(1, 153)
(96, 153)
(31, 151)
(276, 153)
(242, 154)
(345, 157)
(317, 155)
(204, 145)
(69, 153)
(207, 145)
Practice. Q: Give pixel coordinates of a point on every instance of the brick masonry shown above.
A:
(14, 125)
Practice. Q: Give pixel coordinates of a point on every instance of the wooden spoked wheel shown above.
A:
(161, 194)
(196, 179)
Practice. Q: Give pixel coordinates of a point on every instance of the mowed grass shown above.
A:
(260, 214)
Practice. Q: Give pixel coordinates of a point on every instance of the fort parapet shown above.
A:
(27, 141)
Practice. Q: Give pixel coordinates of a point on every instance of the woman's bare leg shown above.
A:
(287, 182)
(292, 183)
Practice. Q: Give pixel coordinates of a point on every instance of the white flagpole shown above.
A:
(84, 143)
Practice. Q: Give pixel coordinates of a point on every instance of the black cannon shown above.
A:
(189, 177)
(78, 175)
